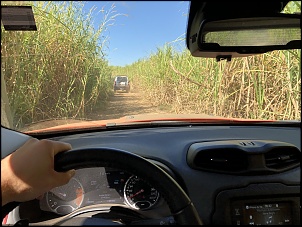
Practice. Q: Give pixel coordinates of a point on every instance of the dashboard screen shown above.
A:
(275, 213)
(267, 214)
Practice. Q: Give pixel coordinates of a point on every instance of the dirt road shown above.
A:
(119, 105)
(124, 104)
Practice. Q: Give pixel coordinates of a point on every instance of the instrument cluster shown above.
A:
(100, 185)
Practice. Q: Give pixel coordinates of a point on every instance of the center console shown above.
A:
(258, 204)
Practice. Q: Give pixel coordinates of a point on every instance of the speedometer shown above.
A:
(139, 194)
(67, 198)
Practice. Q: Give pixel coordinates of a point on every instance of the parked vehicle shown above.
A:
(227, 153)
(121, 83)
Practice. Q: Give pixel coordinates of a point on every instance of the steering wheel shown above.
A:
(180, 205)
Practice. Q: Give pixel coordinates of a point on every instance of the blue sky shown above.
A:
(141, 27)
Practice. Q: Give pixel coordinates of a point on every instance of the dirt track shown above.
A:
(119, 105)
(124, 104)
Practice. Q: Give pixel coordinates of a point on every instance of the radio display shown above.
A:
(277, 213)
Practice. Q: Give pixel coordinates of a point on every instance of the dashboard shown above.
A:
(234, 175)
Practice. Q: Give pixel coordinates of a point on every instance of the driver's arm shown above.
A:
(29, 172)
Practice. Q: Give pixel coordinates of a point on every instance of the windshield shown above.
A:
(64, 71)
(121, 79)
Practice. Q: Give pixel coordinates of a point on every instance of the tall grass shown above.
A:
(260, 87)
(59, 71)
(264, 86)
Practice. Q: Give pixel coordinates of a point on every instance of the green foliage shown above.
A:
(60, 71)
(260, 87)
(293, 7)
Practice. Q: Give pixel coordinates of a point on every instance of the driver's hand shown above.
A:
(29, 172)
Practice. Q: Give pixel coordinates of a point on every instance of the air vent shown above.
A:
(227, 160)
(243, 157)
(281, 158)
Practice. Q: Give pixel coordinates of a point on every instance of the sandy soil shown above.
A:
(120, 104)
(124, 104)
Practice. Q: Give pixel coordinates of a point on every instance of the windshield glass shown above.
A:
(121, 79)
(64, 71)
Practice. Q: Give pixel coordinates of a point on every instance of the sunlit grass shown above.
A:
(60, 71)
(264, 86)
(259, 87)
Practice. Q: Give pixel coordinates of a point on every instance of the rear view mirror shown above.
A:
(227, 38)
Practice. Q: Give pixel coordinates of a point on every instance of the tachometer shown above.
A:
(140, 195)
(67, 198)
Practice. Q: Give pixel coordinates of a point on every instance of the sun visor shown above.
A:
(18, 18)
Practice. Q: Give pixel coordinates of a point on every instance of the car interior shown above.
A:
(184, 172)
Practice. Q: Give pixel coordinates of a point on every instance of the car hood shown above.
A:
(69, 125)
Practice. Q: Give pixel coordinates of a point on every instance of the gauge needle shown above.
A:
(62, 194)
(140, 191)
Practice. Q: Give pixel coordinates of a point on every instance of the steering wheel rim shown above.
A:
(182, 208)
